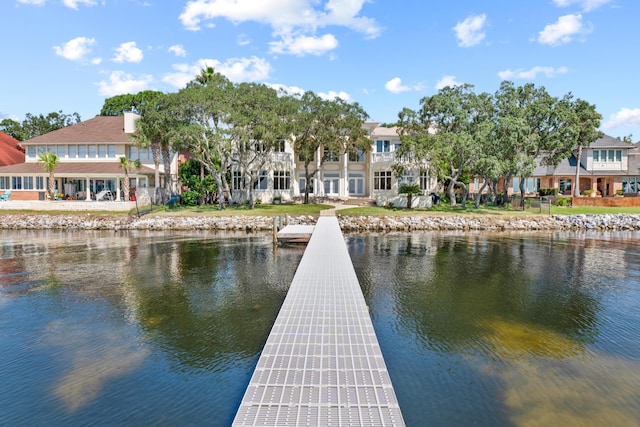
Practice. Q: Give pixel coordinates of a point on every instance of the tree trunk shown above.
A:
(451, 192)
(52, 186)
(126, 186)
(522, 192)
(576, 184)
(166, 160)
(478, 197)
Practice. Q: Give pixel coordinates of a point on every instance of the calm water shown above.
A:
(103, 328)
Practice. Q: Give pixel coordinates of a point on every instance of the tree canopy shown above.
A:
(36, 125)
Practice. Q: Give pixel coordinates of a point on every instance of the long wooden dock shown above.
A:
(322, 364)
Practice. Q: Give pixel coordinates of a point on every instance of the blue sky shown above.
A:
(71, 55)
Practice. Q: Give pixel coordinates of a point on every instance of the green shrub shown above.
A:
(189, 198)
(548, 192)
(562, 201)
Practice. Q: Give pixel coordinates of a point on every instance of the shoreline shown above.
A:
(604, 222)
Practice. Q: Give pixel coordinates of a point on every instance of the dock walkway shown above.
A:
(322, 364)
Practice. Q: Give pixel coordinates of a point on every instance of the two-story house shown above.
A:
(89, 161)
(606, 166)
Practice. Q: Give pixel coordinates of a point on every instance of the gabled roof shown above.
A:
(610, 142)
(100, 129)
(381, 131)
(10, 152)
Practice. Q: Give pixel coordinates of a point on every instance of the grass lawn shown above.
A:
(234, 210)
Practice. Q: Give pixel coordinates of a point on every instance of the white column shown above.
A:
(88, 189)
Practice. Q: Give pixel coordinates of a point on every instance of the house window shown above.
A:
(424, 180)
(618, 156)
(31, 151)
(596, 155)
(281, 180)
(279, 146)
(607, 156)
(406, 178)
(5, 183)
(111, 151)
(61, 151)
(330, 156)
(303, 183)
(382, 180)
(356, 156)
(72, 151)
(39, 183)
(237, 183)
(383, 146)
(92, 151)
(27, 183)
(82, 151)
(331, 183)
(42, 149)
(531, 185)
(102, 151)
(263, 181)
(565, 186)
(16, 182)
(631, 184)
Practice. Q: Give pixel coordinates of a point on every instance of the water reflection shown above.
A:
(103, 328)
(507, 329)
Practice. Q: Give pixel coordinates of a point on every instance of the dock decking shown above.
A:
(322, 364)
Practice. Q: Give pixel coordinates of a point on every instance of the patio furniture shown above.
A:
(6, 195)
(104, 195)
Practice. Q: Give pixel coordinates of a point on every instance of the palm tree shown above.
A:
(50, 161)
(127, 165)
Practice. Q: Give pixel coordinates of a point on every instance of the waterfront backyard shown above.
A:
(165, 328)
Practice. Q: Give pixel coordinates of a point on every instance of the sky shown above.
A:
(70, 55)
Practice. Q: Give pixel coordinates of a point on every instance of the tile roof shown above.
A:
(609, 141)
(105, 129)
(383, 131)
(73, 168)
(10, 152)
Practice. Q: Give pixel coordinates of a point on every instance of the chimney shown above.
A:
(130, 121)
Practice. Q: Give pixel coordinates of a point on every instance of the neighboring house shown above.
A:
(342, 176)
(10, 151)
(606, 166)
(89, 155)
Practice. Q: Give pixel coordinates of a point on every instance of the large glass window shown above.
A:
(281, 180)
(40, 183)
(565, 186)
(382, 180)
(31, 151)
(92, 151)
(383, 146)
(5, 183)
(279, 146)
(82, 151)
(16, 182)
(263, 181)
(102, 151)
(331, 183)
(631, 184)
(237, 180)
(424, 180)
(61, 151)
(72, 151)
(356, 156)
(27, 183)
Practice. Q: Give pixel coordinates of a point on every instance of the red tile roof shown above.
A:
(10, 152)
(105, 129)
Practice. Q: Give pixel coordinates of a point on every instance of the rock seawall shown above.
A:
(348, 223)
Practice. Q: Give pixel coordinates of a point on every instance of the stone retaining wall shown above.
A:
(347, 223)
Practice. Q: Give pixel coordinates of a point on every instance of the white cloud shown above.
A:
(447, 81)
(625, 117)
(235, 69)
(128, 52)
(294, 22)
(75, 49)
(532, 73)
(178, 50)
(243, 40)
(73, 4)
(586, 5)
(470, 31)
(303, 45)
(563, 31)
(331, 95)
(33, 2)
(289, 90)
(395, 86)
(120, 83)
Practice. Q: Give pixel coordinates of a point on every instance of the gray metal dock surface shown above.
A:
(322, 364)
